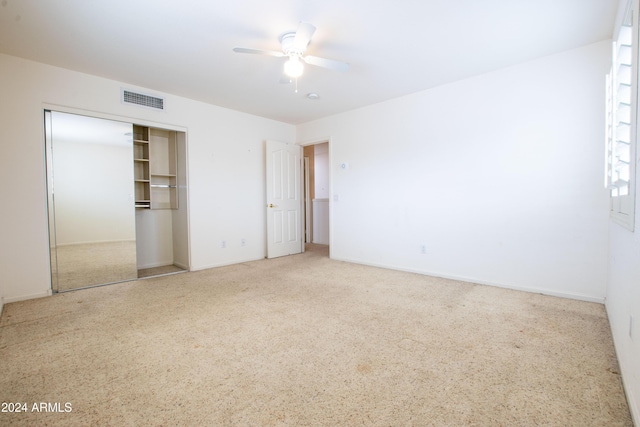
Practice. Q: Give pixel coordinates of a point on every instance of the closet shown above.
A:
(160, 214)
(116, 198)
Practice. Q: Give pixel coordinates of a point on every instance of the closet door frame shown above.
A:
(184, 201)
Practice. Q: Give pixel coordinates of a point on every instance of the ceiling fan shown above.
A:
(294, 45)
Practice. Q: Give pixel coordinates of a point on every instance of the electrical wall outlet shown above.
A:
(243, 242)
(223, 244)
(423, 249)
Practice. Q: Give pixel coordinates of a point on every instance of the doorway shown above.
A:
(316, 193)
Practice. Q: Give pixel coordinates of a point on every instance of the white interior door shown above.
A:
(284, 202)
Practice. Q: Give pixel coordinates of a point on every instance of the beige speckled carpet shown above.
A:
(308, 341)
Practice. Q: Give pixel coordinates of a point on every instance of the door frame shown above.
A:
(46, 106)
(308, 226)
(317, 141)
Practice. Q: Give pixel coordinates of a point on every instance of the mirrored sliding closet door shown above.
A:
(90, 179)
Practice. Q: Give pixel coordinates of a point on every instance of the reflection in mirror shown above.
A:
(91, 202)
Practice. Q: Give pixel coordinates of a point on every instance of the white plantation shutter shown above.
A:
(622, 98)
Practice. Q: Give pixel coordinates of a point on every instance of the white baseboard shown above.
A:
(181, 265)
(569, 295)
(633, 408)
(96, 242)
(622, 364)
(224, 264)
(7, 300)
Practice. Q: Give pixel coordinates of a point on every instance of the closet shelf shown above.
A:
(155, 168)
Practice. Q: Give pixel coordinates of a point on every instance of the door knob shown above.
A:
(271, 205)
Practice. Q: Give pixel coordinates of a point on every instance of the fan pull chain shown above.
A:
(296, 85)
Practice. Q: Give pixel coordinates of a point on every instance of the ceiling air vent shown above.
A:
(142, 100)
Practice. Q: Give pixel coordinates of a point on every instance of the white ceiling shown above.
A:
(394, 47)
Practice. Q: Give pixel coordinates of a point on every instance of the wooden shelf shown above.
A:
(141, 167)
(155, 168)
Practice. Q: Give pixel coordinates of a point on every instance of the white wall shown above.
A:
(623, 301)
(499, 176)
(154, 237)
(321, 170)
(225, 155)
(623, 292)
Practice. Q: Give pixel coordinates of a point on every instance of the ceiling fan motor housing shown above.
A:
(286, 41)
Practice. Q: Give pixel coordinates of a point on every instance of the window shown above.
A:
(622, 98)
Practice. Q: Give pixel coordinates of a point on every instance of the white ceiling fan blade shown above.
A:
(326, 63)
(303, 36)
(258, 51)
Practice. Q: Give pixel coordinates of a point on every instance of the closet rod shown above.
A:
(163, 186)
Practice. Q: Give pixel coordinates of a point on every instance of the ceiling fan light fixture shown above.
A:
(293, 67)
